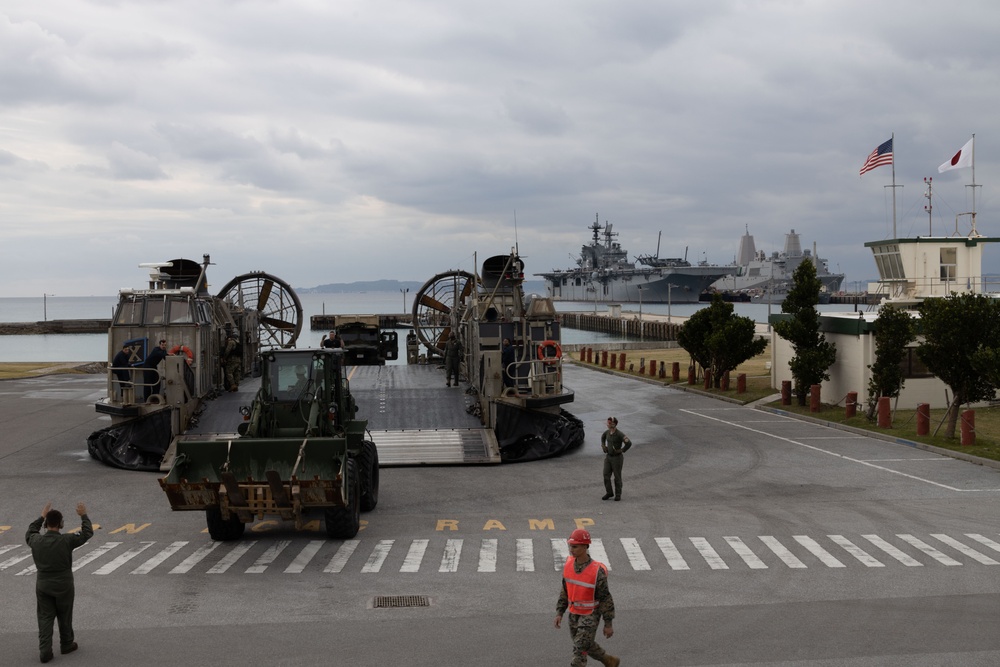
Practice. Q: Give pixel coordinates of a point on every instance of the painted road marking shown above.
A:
(710, 555)
(968, 551)
(488, 556)
(634, 552)
(492, 554)
(782, 552)
(378, 556)
(414, 556)
(525, 555)
(230, 558)
(816, 550)
(850, 547)
(268, 557)
(305, 557)
(744, 552)
(195, 558)
(984, 540)
(560, 552)
(452, 554)
(893, 551)
(339, 559)
(158, 559)
(124, 558)
(929, 550)
(741, 425)
(670, 552)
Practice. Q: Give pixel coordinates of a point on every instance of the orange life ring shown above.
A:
(176, 349)
(544, 348)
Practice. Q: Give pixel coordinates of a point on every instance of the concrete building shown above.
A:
(910, 271)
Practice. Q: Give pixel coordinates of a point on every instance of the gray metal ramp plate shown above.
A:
(396, 398)
(436, 447)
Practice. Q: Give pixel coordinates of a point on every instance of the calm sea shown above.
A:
(94, 347)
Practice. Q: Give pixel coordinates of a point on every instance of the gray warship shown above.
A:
(603, 273)
(768, 278)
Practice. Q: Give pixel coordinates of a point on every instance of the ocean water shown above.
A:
(94, 347)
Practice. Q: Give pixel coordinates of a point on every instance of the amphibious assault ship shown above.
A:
(768, 278)
(603, 273)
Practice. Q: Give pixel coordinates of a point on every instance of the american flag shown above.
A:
(880, 156)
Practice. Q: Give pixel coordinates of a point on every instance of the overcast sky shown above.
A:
(337, 141)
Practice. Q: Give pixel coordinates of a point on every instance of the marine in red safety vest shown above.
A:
(586, 595)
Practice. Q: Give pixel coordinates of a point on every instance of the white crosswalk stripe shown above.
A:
(816, 550)
(893, 551)
(968, 551)
(929, 550)
(782, 552)
(340, 558)
(850, 547)
(415, 556)
(744, 552)
(674, 558)
(710, 555)
(501, 554)
(124, 558)
(634, 552)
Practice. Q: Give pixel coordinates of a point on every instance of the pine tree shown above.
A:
(813, 353)
(894, 330)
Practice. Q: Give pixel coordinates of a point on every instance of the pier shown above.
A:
(97, 326)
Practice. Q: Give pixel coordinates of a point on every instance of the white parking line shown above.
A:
(740, 425)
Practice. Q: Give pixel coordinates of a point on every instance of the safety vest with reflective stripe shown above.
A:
(580, 587)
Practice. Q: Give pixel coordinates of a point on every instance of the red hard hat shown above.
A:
(579, 536)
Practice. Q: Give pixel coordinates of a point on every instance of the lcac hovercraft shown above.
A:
(154, 396)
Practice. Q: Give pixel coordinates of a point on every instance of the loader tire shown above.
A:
(368, 464)
(223, 530)
(343, 523)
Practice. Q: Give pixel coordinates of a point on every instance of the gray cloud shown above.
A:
(401, 137)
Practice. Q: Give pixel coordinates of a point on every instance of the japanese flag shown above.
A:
(963, 158)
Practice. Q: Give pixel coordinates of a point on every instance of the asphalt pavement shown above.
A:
(743, 538)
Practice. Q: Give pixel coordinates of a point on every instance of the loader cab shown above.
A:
(304, 390)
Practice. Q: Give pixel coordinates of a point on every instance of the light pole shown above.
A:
(45, 307)
(670, 287)
(404, 290)
(641, 337)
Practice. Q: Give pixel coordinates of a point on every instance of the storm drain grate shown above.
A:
(393, 601)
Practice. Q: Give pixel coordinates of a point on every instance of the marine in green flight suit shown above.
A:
(615, 444)
(52, 552)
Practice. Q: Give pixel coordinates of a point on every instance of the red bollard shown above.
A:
(663, 371)
(884, 413)
(690, 374)
(652, 368)
(604, 358)
(786, 392)
(614, 360)
(851, 409)
(968, 428)
(725, 381)
(741, 383)
(621, 361)
(590, 355)
(583, 354)
(923, 418)
(814, 398)
(675, 371)
(708, 379)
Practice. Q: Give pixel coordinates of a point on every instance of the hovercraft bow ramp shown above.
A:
(416, 420)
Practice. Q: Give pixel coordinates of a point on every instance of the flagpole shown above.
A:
(893, 138)
(973, 178)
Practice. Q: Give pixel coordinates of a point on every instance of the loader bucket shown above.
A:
(259, 475)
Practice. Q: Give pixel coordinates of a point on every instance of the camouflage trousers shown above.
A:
(583, 630)
(233, 373)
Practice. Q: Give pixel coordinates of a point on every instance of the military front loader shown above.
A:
(300, 449)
